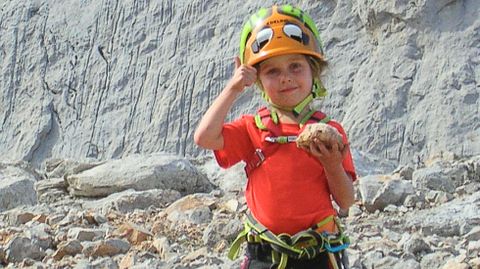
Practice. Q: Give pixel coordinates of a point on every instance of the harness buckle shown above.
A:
(271, 139)
(281, 139)
(260, 155)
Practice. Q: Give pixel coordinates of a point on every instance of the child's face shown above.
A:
(286, 79)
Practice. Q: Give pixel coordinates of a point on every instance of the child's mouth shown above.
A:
(288, 89)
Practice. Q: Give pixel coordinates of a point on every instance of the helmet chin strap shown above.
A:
(318, 91)
(296, 110)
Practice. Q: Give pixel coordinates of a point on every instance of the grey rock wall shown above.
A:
(105, 79)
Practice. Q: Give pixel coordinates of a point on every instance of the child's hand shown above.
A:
(244, 76)
(329, 154)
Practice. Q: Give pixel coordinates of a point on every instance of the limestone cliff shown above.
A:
(105, 79)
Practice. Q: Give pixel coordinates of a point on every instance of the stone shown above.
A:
(16, 217)
(19, 248)
(57, 169)
(473, 234)
(453, 264)
(232, 179)
(411, 200)
(162, 246)
(133, 233)
(16, 187)
(447, 219)
(410, 263)
(195, 208)
(72, 248)
(435, 259)
(40, 234)
(43, 186)
(129, 200)
(416, 245)
(128, 261)
(369, 187)
(66, 120)
(224, 229)
(322, 132)
(432, 178)
(109, 247)
(354, 211)
(155, 171)
(393, 192)
(85, 234)
(474, 246)
(232, 205)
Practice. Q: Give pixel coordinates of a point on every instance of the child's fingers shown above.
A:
(314, 149)
(238, 63)
(334, 144)
(250, 76)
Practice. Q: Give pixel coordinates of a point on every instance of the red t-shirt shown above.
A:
(288, 192)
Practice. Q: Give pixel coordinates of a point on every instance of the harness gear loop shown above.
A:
(306, 244)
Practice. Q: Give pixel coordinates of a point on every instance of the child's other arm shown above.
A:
(208, 134)
(339, 182)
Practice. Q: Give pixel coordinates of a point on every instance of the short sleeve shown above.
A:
(237, 144)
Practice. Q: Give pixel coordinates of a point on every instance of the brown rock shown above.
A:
(321, 131)
(71, 248)
(128, 261)
(133, 233)
(40, 218)
(18, 218)
(110, 247)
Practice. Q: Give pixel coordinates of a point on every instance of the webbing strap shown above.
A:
(306, 244)
(259, 123)
(266, 120)
(302, 105)
(254, 161)
(235, 247)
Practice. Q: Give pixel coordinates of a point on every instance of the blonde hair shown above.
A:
(317, 66)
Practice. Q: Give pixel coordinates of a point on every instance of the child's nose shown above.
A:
(286, 77)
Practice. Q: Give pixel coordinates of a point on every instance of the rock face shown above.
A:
(102, 80)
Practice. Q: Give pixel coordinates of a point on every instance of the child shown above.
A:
(289, 189)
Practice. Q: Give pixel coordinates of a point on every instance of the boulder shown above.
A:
(129, 200)
(16, 186)
(433, 178)
(139, 172)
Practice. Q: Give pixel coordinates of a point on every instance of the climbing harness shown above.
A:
(306, 244)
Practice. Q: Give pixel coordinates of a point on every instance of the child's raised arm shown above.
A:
(208, 134)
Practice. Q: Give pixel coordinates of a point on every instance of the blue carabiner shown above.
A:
(337, 248)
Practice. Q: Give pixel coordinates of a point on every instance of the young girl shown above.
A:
(289, 189)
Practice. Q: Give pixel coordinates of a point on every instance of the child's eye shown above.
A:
(296, 66)
(272, 72)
